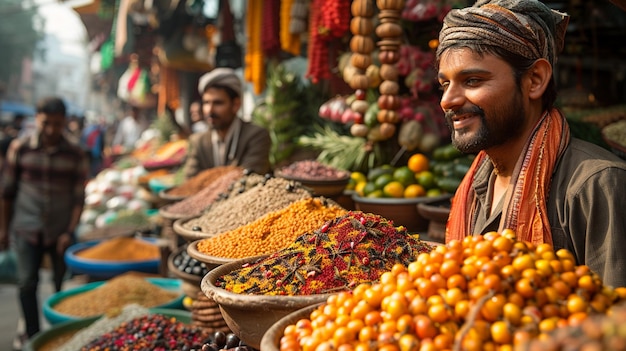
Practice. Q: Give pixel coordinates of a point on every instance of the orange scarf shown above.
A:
(525, 207)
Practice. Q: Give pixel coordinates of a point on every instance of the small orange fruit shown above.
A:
(414, 190)
(394, 189)
(418, 163)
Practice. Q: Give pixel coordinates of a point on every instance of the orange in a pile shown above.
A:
(418, 163)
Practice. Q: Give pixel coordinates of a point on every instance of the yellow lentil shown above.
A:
(272, 232)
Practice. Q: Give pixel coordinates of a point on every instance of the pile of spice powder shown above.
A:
(274, 231)
(344, 252)
(200, 181)
(271, 195)
(114, 294)
(121, 249)
(194, 205)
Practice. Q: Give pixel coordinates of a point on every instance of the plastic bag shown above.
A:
(8, 267)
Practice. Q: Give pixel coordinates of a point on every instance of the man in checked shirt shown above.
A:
(41, 197)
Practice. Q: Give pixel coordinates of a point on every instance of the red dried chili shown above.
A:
(355, 248)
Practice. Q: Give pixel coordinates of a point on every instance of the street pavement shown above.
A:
(10, 308)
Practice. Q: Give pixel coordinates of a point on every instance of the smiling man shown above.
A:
(229, 140)
(495, 62)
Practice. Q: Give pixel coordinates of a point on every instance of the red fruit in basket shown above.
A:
(360, 94)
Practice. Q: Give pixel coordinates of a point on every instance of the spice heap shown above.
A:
(194, 205)
(200, 181)
(354, 248)
(150, 332)
(271, 195)
(272, 232)
(485, 292)
(113, 295)
(313, 170)
(121, 249)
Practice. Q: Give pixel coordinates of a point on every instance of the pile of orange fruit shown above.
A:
(486, 292)
(408, 181)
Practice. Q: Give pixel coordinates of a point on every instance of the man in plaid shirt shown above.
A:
(42, 195)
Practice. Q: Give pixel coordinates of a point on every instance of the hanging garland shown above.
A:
(329, 19)
(254, 58)
(292, 13)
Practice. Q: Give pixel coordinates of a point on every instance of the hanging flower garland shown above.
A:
(328, 20)
(254, 58)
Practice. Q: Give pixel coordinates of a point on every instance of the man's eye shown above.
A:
(472, 81)
(443, 86)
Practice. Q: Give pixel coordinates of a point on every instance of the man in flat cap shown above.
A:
(495, 62)
(229, 140)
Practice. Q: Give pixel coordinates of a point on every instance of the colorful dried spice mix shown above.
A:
(348, 250)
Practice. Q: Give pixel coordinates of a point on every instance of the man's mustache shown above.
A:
(472, 110)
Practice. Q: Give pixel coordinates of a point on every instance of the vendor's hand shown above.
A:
(63, 242)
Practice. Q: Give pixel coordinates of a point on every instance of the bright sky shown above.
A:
(65, 24)
(62, 21)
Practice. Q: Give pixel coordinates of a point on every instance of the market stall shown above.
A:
(341, 246)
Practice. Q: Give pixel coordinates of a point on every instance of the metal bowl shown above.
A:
(402, 211)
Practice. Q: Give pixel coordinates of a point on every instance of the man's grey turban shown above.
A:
(524, 27)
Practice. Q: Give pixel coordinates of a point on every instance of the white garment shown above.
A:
(129, 131)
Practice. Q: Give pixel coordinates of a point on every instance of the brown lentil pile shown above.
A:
(200, 181)
(113, 295)
(233, 212)
(245, 183)
(121, 249)
(348, 250)
(194, 205)
(312, 170)
(272, 232)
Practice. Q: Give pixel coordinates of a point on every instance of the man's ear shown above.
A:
(237, 104)
(538, 77)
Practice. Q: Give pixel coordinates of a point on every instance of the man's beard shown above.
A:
(217, 123)
(503, 124)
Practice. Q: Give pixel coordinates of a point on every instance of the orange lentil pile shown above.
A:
(121, 249)
(200, 181)
(272, 232)
(271, 195)
(351, 249)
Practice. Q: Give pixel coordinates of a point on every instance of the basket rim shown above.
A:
(228, 299)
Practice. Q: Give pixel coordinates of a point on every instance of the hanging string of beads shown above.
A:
(390, 33)
(361, 45)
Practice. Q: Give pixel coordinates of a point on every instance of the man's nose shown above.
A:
(452, 98)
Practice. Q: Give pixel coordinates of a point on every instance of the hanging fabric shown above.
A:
(228, 53)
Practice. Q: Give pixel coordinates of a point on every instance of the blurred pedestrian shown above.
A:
(198, 125)
(41, 200)
(92, 141)
(129, 131)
